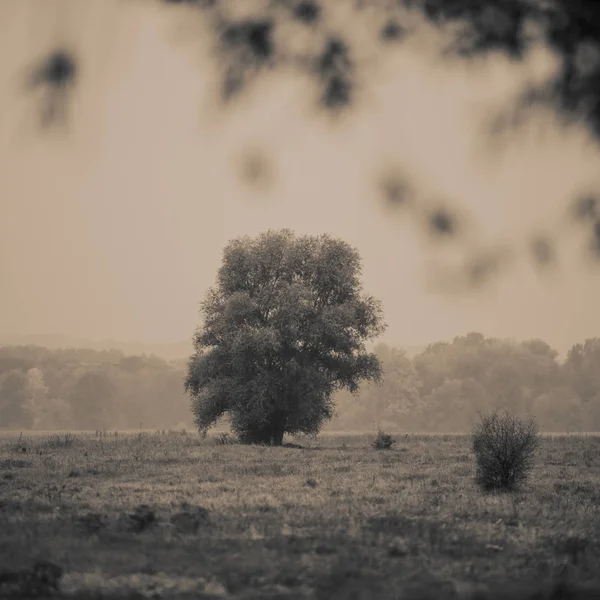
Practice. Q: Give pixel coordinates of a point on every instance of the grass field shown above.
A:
(171, 515)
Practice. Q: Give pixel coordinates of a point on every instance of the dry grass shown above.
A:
(177, 516)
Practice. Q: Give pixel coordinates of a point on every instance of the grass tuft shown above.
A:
(383, 441)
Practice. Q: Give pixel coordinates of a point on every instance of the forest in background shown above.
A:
(441, 389)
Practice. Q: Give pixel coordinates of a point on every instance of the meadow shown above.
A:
(175, 515)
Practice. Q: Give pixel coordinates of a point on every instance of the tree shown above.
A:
(15, 410)
(559, 409)
(37, 394)
(582, 369)
(91, 400)
(284, 328)
(390, 401)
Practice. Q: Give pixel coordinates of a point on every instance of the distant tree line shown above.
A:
(445, 387)
(441, 389)
(89, 389)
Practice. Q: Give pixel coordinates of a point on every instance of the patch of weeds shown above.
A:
(225, 439)
(462, 458)
(398, 547)
(66, 440)
(141, 518)
(342, 469)
(573, 546)
(586, 492)
(20, 446)
(53, 492)
(348, 581)
(562, 487)
(189, 518)
(464, 471)
(40, 581)
(324, 549)
(14, 463)
(209, 479)
(392, 523)
(377, 500)
(11, 506)
(92, 523)
(424, 535)
(383, 441)
(265, 470)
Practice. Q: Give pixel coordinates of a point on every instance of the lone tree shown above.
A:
(283, 328)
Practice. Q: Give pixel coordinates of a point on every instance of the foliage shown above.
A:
(284, 327)
(444, 387)
(84, 388)
(14, 410)
(504, 448)
(383, 441)
(248, 44)
(336, 52)
(441, 389)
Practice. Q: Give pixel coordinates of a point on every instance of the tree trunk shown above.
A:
(278, 437)
(278, 428)
(271, 434)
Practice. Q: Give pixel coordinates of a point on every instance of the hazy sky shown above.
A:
(117, 230)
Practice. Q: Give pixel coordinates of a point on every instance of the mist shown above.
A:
(443, 388)
(299, 298)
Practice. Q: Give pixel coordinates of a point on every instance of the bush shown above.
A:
(383, 441)
(504, 447)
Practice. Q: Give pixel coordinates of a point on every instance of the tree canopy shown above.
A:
(283, 328)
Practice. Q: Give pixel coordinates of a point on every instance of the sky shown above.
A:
(116, 230)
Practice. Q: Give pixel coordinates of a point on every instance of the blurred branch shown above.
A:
(249, 43)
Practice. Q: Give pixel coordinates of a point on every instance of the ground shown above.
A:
(173, 515)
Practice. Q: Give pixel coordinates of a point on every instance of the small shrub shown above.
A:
(189, 519)
(504, 447)
(92, 522)
(383, 441)
(141, 518)
(40, 581)
(66, 440)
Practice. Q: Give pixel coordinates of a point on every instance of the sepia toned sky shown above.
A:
(116, 229)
